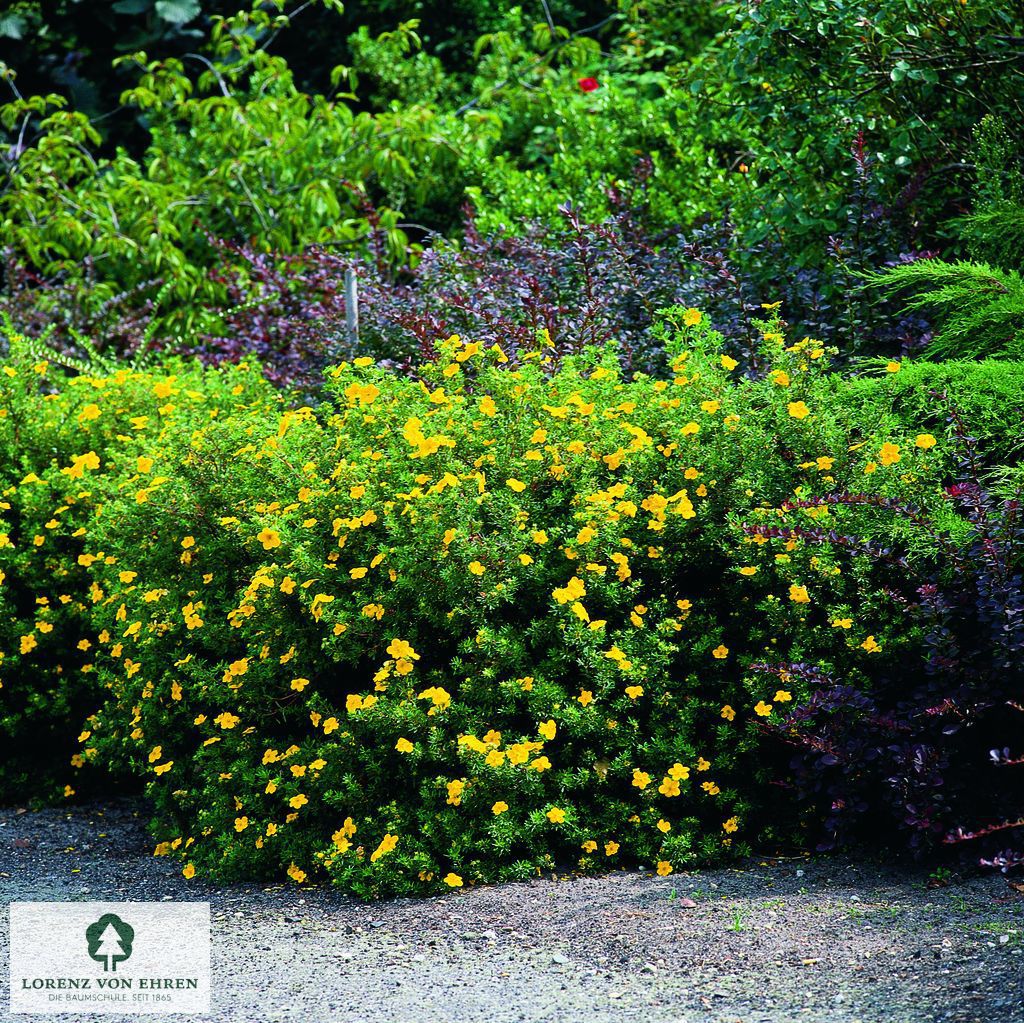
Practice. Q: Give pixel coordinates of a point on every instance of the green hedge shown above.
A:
(443, 630)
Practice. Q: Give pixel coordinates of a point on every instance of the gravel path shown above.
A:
(824, 941)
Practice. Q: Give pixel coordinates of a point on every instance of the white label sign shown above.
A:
(116, 957)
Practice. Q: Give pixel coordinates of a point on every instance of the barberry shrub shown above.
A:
(916, 752)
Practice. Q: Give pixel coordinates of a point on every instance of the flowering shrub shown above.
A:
(58, 461)
(495, 620)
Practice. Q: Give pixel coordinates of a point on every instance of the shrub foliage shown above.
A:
(488, 621)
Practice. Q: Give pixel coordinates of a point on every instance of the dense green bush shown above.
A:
(340, 644)
(59, 460)
(825, 139)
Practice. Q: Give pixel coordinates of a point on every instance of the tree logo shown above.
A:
(110, 941)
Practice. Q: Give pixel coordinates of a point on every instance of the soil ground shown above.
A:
(821, 940)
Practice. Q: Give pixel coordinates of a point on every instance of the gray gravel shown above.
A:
(833, 940)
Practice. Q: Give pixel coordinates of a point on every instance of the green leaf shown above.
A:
(177, 12)
(12, 26)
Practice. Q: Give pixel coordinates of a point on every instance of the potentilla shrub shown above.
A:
(469, 627)
(65, 446)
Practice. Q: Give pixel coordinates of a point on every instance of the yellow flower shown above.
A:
(399, 648)
(499, 807)
(452, 880)
(680, 772)
(573, 590)
(585, 698)
(763, 709)
(270, 538)
(782, 696)
(664, 868)
(611, 848)
(241, 823)
(297, 875)
(893, 367)
(924, 441)
(634, 692)
(404, 746)
(143, 464)
(555, 815)
(729, 364)
(641, 779)
(547, 729)
(476, 568)
(748, 570)
(589, 846)
(798, 410)
(692, 317)
(798, 594)
(188, 871)
(669, 786)
(387, 844)
(730, 825)
(889, 454)
(330, 725)
(517, 485)
(728, 713)
(720, 652)
(664, 827)
(297, 801)
(871, 645)
(298, 684)
(525, 559)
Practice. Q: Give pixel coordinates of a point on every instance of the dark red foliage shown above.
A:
(933, 750)
(66, 309)
(557, 289)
